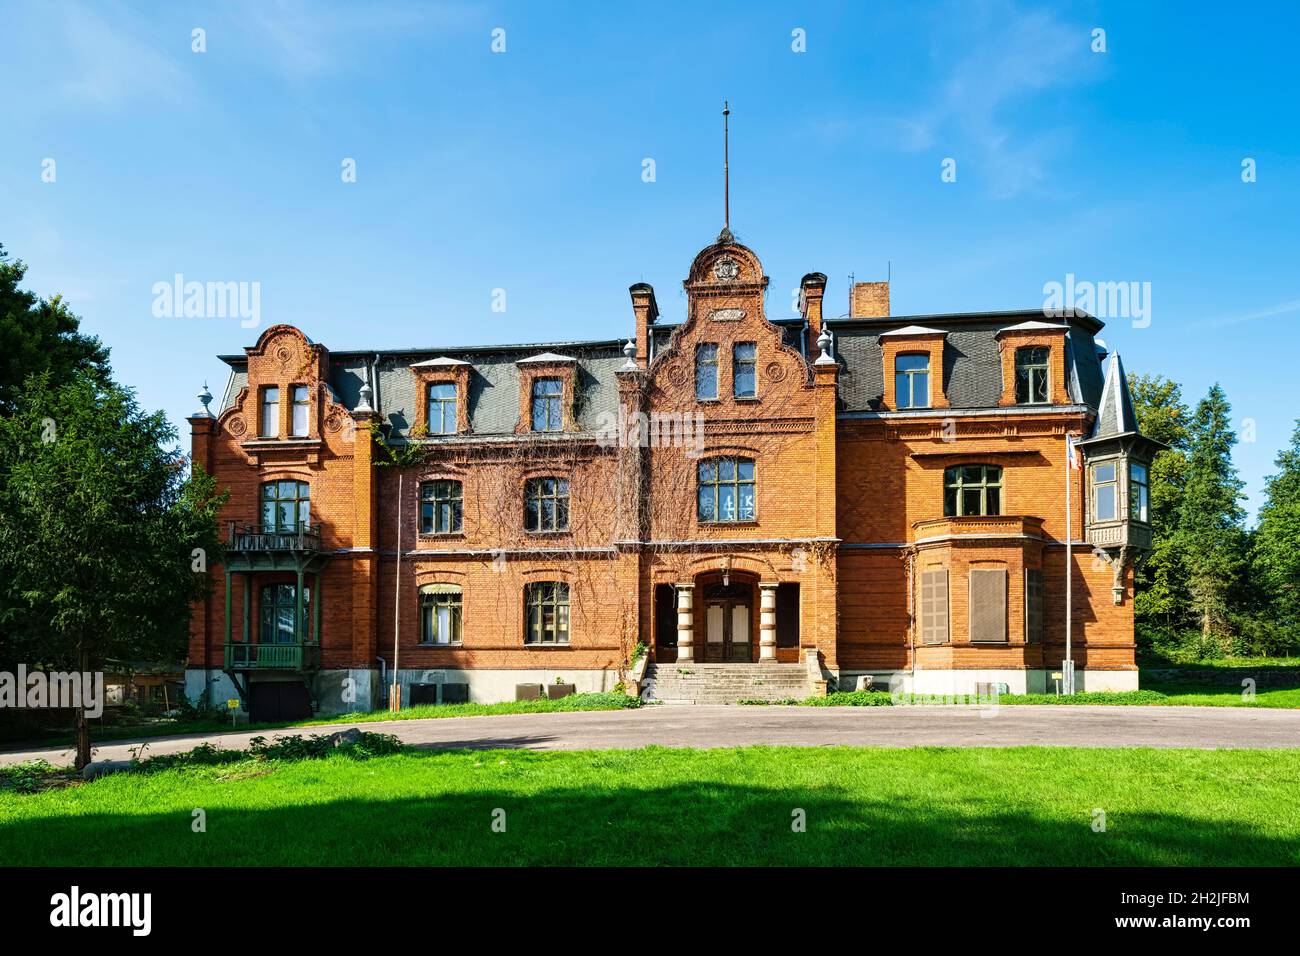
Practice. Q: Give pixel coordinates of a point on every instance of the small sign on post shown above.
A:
(1056, 676)
(233, 706)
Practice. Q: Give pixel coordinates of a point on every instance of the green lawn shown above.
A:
(1025, 806)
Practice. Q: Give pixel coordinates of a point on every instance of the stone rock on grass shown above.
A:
(346, 738)
(102, 768)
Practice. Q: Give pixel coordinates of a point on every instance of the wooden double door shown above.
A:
(728, 622)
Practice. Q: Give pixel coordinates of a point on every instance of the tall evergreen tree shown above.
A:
(40, 335)
(104, 537)
(1276, 552)
(1211, 536)
(1161, 592)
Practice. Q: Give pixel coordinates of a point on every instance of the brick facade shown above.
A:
(847, 505)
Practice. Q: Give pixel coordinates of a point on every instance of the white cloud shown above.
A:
(974, 110)
(107, 61)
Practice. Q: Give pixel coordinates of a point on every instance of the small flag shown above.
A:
(1072, 453)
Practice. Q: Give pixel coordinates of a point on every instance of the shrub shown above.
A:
(27, 777)
(852, 698)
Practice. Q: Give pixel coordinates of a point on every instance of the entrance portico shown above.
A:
(721, 608)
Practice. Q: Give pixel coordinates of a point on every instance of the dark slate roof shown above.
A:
(1115, 415)
(972, 370)
(493, 381)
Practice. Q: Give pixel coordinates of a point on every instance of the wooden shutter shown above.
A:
(1033, 606)
(934, 606)
(988, 605)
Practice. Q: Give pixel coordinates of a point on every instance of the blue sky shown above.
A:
(522, 170)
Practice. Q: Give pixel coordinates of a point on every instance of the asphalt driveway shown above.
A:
(946, 726)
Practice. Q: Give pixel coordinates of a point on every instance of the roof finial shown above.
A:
(205, 399)
(824, 343)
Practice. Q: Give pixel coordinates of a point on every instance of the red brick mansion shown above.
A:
(741, 506)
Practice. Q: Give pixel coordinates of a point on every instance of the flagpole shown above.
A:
(395, 695)
(1068, 664)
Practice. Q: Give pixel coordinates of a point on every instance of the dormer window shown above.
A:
(442, 408)
(270, 424)
(706, 372)
(1031, 375)
(301, 411)
(744, 368)
(547, 399)
(912, 381)
(1139, 492)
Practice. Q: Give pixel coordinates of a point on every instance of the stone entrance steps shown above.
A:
(693, 683)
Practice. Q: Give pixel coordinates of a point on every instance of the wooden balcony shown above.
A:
(263, 539)
(242, 656)
(977, 526)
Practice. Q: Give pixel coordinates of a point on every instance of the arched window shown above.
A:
(726, 489)
(286, 507)
(546, 618)
(972, 490)
(440, 614)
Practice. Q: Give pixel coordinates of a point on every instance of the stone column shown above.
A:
(767, 621)
(685, 622)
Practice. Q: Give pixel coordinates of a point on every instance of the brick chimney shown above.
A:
(869, 300)
(811, 289)
(646, 310)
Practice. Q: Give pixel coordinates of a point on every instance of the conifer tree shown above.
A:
(1211, 536)
(1276, 552)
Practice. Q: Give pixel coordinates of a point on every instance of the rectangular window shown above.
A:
(286, 506)
(1031, 375)
(971, 490)
(726, 490)
(277, 606)
(440, 614)
(912, 381)
(270, 412)
(934, 606)
(546, 620)
(1033, 606)
(1104, 490)
(1139, 492)
(546, 504)
(988, 605)
(547, 397)
(706, 372)
(787, 615)
(440, 507)
(744, 363)
(301, 410)
(442, 408)
(665, 616)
